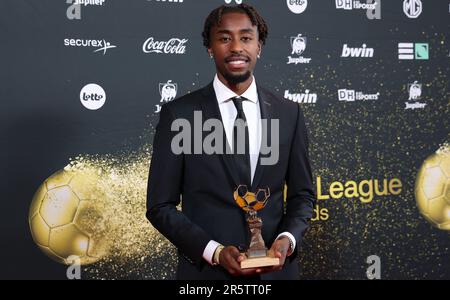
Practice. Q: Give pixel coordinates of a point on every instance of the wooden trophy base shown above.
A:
(258, 262)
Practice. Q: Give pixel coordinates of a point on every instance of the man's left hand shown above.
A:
(279, 249)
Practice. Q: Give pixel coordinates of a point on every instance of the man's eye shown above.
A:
(225, 39)
(246, 38)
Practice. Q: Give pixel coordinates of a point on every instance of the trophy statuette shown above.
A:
(257, 253)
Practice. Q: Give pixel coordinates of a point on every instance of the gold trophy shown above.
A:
(257, 254)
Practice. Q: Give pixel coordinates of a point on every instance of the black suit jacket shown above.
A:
(205, 184)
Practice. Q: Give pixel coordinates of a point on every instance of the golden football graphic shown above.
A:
(432, 188)
(249, 201)
(66, 217)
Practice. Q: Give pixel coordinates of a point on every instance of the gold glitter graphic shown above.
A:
(116, 189)
(137, 250)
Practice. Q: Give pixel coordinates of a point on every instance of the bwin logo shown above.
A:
(237, 1)
(357, 52)
(306, 97)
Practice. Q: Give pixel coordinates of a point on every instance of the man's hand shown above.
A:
(230, 258)
(279, 249)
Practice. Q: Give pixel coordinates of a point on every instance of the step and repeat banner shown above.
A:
(82, 83)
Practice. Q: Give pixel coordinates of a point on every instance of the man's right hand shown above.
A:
(230, 259)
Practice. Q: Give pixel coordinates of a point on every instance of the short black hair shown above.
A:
(215, 17)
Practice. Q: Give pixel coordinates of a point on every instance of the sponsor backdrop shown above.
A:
(82, 84)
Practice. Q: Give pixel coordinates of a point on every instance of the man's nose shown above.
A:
(236, 46)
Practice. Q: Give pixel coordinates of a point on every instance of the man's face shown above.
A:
(235, 46)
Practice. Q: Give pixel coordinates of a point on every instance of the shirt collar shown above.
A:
(223, 93)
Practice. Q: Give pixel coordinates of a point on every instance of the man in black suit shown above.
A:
(211, 229)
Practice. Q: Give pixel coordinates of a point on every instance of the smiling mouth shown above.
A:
(237, 62)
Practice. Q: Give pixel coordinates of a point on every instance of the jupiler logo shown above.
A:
(298, 44)
(168, 92)
(415, 94)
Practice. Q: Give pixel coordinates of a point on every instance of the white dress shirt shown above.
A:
(253, 115)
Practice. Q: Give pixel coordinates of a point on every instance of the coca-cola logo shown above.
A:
(172, 46)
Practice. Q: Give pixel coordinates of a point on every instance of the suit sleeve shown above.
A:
(164, 191)
(301, 197)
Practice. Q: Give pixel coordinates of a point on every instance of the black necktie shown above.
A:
(242, 160)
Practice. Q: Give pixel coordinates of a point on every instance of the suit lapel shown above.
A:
(267, 112)
(211, 110)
